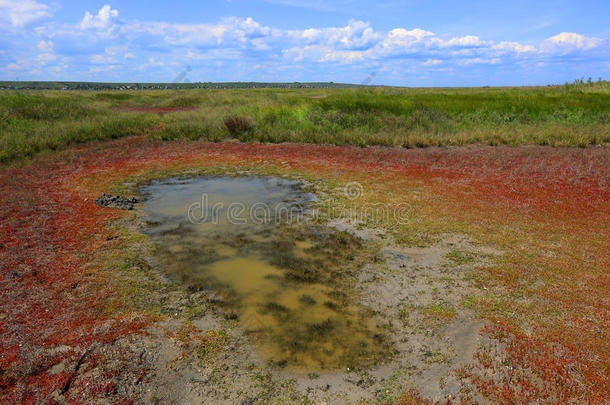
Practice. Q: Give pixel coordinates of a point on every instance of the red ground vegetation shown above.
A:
(552, 336)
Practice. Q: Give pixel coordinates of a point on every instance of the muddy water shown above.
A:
(243, 240)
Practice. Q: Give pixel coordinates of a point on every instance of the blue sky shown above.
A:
(407, 43)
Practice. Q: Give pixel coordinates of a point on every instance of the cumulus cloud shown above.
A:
(478, 61)
(401, 39)
(101, 38)
(401, 35)
(357, 35)
(24, 12)
(111, 55)
(355, 42)
(46, 58)
(106, 19)
(331, 55)
(432, 62)
(45, 46)
(468, 41)
(574, 41)
(514, 47)
(230, 32)
(46, 54)
(102, 59)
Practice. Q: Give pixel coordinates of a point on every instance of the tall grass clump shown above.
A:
(238, 124)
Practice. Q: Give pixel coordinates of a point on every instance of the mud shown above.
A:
(116, 201)
(283, 281)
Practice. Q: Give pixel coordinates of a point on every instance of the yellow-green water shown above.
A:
(277, 276)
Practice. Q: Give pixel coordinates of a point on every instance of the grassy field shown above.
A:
(569, 115)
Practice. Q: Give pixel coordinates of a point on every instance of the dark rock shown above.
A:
(116, 201)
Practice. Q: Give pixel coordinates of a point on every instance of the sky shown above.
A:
(403, 43)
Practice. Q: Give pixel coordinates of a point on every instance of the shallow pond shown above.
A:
(244, 240)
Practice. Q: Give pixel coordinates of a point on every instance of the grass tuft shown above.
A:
(237, 125)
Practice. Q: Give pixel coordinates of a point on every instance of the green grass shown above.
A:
(559, 116)
(33, 122)
(575, 114)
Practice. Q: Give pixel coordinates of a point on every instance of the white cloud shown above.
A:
(342, 56)
(402, 42)
(355, 35)
(248, 27)
(432, 62)
(458, 42)
(100, 59)
(356, 42)
(23, 12)
(574, 41)
(46, 54)
(230, 32)
(45, 58)
(45, 46)
(401, 38)
(102, 69)
(514, 47)
(13, 66)
(106, 19)
(243, 42)
(402, 35)
(154, 62)
(479, 61)
(111, 55)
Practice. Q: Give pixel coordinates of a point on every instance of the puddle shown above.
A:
(284, 281)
